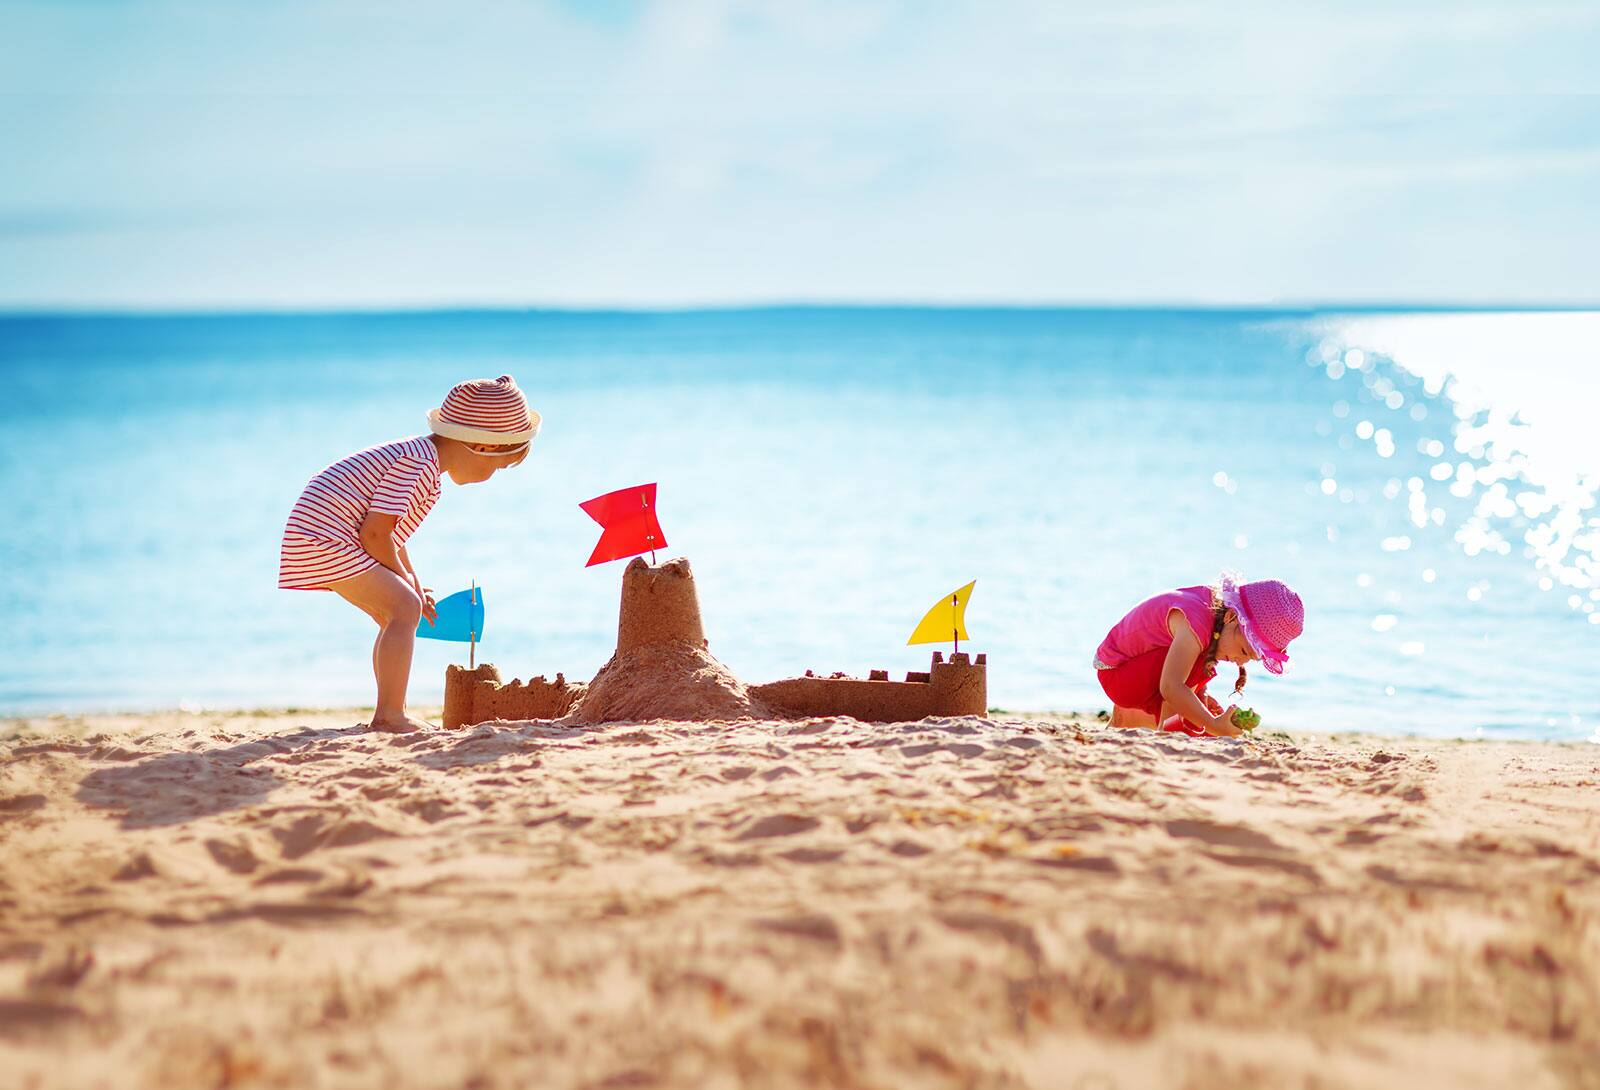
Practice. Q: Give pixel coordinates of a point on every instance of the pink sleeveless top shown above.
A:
(1145, 627)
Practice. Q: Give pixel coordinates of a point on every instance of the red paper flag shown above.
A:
(627, 518)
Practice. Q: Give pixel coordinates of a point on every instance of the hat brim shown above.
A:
(465, 434)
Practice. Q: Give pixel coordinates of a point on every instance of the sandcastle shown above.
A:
(662, 669)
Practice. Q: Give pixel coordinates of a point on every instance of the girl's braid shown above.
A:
(1218, 623)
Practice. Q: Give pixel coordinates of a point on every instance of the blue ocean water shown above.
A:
(829, 472)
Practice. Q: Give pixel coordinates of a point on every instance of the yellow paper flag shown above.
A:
(947, 620)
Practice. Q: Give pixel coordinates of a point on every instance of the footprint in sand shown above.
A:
(169, 862)
(812, 855)
(290, 874)
(140, 867)
(432, 809)
(18, 1016)
(960, 749)
(234, 855)
(17, 805)
(64, 971)
(779, 825)
(1014, 933)
(1227, 836)
(1269, 862)
(1094, 864)
(820, 726)
(291, 913)
(312, 832)
(817, 927)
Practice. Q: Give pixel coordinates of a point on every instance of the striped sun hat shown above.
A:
(486, 411)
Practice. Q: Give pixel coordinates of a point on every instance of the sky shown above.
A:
(288, 155)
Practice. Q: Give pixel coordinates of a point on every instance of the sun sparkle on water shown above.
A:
(1520, 444)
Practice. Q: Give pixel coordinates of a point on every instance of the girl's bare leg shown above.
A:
(1132, 717)
(390, 601)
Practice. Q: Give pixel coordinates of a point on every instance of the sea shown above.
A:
(1425, 480)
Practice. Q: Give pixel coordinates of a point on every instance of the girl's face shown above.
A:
(1231, 645)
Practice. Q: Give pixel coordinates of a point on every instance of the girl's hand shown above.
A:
(1222, 726)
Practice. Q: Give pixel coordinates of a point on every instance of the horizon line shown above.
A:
(1285, 307)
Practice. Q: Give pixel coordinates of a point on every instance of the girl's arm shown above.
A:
(1175, 670)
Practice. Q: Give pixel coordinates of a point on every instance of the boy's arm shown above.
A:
(416, 583)
(377, 537)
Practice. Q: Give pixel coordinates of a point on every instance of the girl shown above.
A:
(348, 531)
(1162, 654)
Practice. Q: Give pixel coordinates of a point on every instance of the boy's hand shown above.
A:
(426, 594)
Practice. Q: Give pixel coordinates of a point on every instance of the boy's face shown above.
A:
(485, 460)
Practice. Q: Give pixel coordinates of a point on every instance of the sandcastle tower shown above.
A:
(661, 668)
(659, 606)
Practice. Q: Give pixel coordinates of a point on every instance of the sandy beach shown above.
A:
(282, 899)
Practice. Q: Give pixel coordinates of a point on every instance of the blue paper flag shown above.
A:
(460, 618)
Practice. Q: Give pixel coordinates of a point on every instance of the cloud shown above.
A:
(723, 150)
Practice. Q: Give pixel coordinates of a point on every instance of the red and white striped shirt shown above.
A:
(322, 542)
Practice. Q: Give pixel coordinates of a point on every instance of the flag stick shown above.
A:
(472, 633)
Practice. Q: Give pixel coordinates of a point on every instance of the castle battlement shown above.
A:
(477, 696)
(957, 687)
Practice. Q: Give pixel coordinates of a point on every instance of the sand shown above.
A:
(285, 900)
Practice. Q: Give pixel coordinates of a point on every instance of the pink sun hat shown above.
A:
(480, 410)
(1270, 615)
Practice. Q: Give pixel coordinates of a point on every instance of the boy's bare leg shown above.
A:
(379, 622)
(390, 601)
